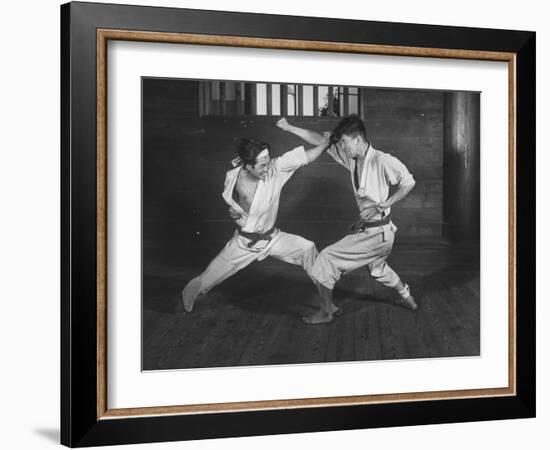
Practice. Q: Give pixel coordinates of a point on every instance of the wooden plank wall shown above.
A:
(409, 125)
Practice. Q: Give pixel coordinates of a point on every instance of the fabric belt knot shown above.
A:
(256, 237)
(361, 225)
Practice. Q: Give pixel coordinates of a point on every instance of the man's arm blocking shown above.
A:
(291, 160)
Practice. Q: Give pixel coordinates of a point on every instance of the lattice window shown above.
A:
(273, 99)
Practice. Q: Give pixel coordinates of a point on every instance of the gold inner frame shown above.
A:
(103, 36)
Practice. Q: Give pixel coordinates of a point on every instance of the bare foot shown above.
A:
(318, 317)
(188, 296)
(409, 303)
(322, 316)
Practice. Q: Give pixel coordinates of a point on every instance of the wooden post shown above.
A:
(239, 88)
(362, 99)
(201, 98)
(330, 97)
(344, 105)
(284, 100)
(300, 101)
(223, 104)
(250, 99)
(207, 90)
(269, 98)
(461, 171)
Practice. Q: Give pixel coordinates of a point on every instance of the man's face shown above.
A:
(351, 145)
(259, 170)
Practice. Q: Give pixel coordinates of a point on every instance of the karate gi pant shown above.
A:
(236, 255)
(367, 248)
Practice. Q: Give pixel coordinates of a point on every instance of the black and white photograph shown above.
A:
(295, 224)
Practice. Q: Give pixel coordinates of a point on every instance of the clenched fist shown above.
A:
(283, 124)
(234, 214)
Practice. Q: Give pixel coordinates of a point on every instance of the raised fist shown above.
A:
(283, 124)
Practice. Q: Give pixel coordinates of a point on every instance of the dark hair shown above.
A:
(249, 149)
(351, 126)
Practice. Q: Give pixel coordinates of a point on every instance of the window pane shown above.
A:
(307, 101)
(276, 99)
(291, 98)
(291, 109)
(261, 99)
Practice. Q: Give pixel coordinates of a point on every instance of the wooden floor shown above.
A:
(254, 317)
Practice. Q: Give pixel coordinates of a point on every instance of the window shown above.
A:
(273, 99)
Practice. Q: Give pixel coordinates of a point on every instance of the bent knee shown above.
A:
(310, 246)
(378, 270)
(307, 247)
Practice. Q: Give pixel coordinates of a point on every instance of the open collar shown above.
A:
(230, 181)
(362, 170)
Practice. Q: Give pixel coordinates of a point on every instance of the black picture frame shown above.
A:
(81, 423)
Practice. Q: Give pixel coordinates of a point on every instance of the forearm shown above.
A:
(311, 137)
(315, 152)
(399, 194)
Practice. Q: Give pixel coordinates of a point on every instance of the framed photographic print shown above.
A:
(277, 224)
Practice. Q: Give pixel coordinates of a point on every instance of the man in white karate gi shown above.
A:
(371, 239)
(252, 191)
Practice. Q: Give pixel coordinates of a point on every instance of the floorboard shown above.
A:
(254, 318)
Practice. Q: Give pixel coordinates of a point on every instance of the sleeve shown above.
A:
(396, 172)
(339, 156)
(291, 160)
